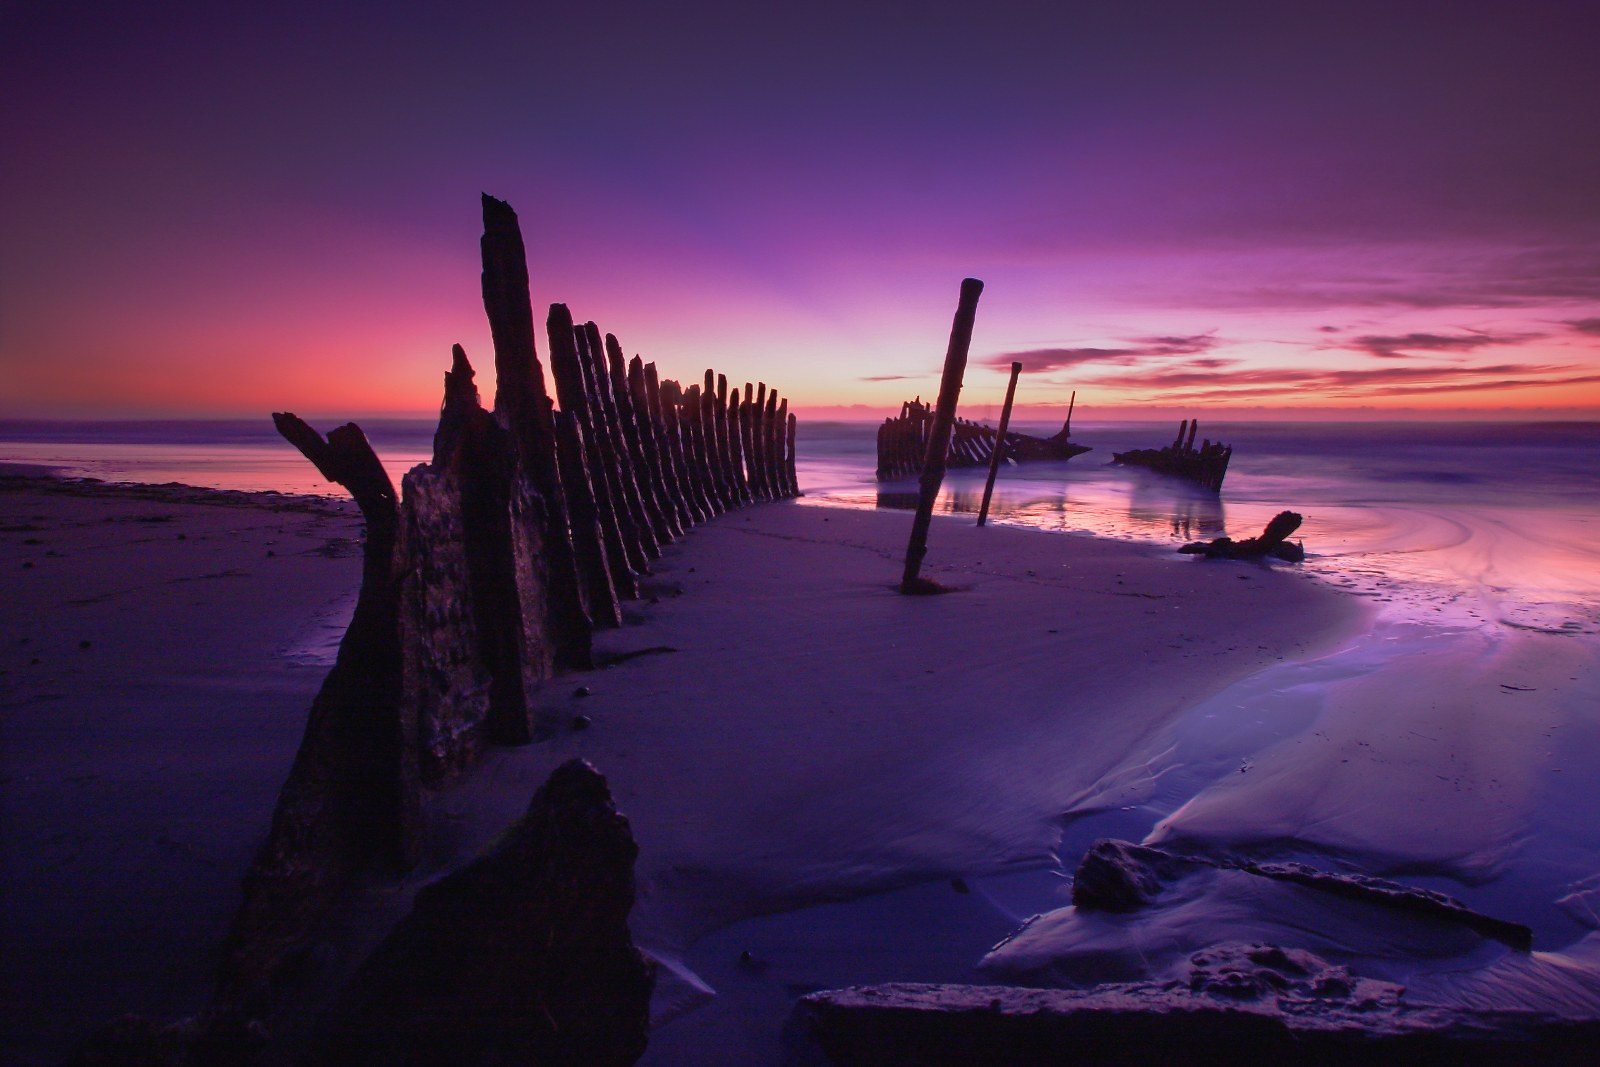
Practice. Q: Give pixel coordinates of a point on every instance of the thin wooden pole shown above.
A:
(944, 417)
(1000, 443)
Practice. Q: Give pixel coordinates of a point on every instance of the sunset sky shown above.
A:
(1325, 210)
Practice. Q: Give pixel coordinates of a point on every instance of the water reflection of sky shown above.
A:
(1465, 523)
(1442, 528)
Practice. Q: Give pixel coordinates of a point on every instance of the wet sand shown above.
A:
(813, 736)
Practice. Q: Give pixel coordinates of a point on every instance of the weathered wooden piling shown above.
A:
(649, 433)
(597, 529)
(670, 448)
(933, 465)
(789, 439)
(523, 406)
(588, 532)
(527, 527)
(770, 429)
(641, 533)
(350, 802)
(994, 452)
(654, 511)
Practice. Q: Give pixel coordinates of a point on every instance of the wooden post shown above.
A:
(944, 417)
(747, 430)
(671, 448)
(588, 534)
(682, 448)
(650, 442)
(1000, 441)
(762, 438)
(522, 404)
(573, 392)
(780, 434)
(590, 343)
(771, 429)
(736, 437)
(794, 479)
(655, 511)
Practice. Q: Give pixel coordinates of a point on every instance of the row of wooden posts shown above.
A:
(645, 460)
(489, 571)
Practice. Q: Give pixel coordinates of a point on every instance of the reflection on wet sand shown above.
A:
(1156, 507)
(1167, 506)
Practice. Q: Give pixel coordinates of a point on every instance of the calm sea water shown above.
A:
(1493, 523)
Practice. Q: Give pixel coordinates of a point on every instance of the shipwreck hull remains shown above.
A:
(484, 576)
(1206, 466)
(903, 444)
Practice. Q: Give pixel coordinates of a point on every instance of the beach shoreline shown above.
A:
(812, 736)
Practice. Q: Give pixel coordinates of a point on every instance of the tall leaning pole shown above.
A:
(944, 417)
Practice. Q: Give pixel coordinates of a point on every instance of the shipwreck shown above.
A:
(903, 443)
(1206, 466)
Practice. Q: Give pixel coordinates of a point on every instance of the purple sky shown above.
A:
(1348, 206)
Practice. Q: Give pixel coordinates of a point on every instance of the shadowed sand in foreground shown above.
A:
(812, 735)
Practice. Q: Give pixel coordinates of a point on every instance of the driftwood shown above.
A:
(1273, 541)
(903, 443)
(933, 463)
(1206, 466)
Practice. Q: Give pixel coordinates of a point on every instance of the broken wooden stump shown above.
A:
(933, 463)
(1272, 541)
(524, 956)
(522, 405)
(350, 801)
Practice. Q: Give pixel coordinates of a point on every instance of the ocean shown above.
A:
(1476, 523)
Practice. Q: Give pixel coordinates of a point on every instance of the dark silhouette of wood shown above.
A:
(524, 956)
(933, 467)
(781, 443)
(656, 468)
(902, 443)
(655, 511)
(995, 454)
(1272, 541)
(1206, 466)
(637, 532)
(733, 484)
(680, 431)
(670, 446)
(597, 533)
(589, 536)
(603, 448)
(769, 459)
(478, 582)
(350, 802)
(509, 612)
(523, 406)
(737, 435)
(789, 436)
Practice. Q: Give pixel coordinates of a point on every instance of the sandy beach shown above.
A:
(809, 737)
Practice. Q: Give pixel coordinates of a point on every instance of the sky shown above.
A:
(1253, 210)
